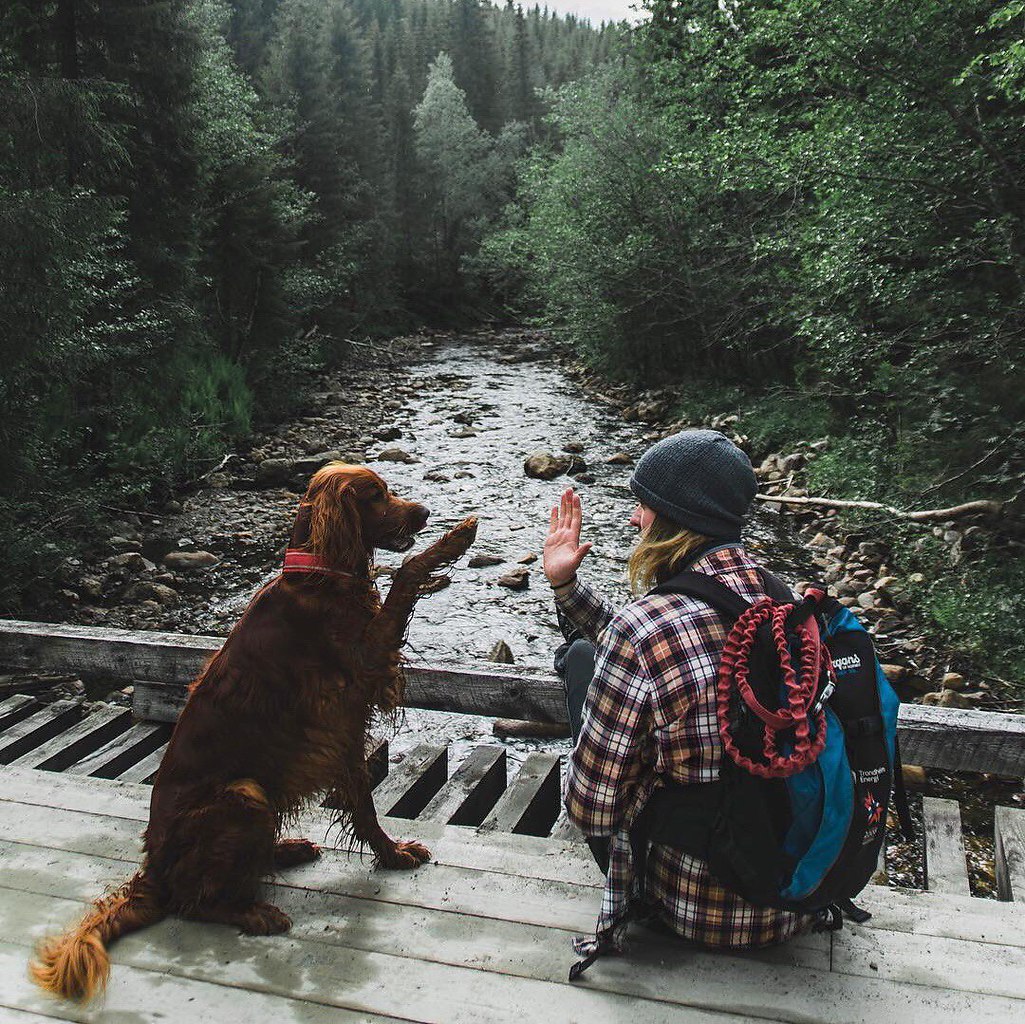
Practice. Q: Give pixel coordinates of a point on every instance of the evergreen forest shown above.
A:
(807, 212)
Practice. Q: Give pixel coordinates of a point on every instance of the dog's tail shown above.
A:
(75, 965)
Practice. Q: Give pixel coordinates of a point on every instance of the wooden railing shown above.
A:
(160, 666)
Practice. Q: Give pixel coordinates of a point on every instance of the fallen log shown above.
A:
(984, 507)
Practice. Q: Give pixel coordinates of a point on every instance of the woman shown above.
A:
(648, 715)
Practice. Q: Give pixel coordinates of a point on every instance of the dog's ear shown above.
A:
(336, 526)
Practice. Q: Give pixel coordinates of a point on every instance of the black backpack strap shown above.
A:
(707, 589)
(900, 794)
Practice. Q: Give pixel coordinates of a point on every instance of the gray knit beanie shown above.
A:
(699, 479)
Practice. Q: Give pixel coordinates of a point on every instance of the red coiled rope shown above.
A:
(801, 687)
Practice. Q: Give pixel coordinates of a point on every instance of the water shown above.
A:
(512, 410)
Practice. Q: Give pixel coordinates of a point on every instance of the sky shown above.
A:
(597, 10)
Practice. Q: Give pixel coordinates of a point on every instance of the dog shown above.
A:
(278, 716)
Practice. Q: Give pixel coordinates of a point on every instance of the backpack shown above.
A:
(809, 725)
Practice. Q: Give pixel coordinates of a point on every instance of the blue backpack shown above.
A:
(809, 723)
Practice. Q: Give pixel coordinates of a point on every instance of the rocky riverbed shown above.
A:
(494, 424)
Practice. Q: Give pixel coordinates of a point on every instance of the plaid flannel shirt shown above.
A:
(650, 715)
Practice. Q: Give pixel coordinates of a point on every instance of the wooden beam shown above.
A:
(1009, 827)
(945, 867)
(409, 786)
(64, 749)
(160, 666)
(531, 803)
(473, 789)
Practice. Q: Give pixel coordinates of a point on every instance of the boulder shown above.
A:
(159, 593)
(546, 466)
(894, 673)
(273, 472)
(130, 561)
(483, 561)
(516, 579)
(396, 455)
(190, 560)
(953, 681)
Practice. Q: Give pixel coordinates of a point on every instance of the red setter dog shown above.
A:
(279, 715)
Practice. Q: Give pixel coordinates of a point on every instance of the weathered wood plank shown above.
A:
(473, 789)
(160, 665)
(527, 856)
(364, 981)
(531, 803)
(144, 769)
(156, 996)
(15, 708)
(1009, 828)
(39, 727)
(565, 830)
(123, 751)
(95, 729)
(946, 869)
(954, 964)
(410, 785)
(960, 740)
(656, 982)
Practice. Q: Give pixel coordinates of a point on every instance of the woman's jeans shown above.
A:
(574, 662)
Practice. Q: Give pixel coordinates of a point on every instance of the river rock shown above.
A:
(867, 600)
(914, 776)
(953, 681)
(435, 477)
(396, 455)
(894, 673)
(620, 459)
(190, 560)
(483, 561)
(273, 472)
(388, 434)
(159, 593)
(517, 579)
(130, 561)
(821, 540)
(501, 654)
(462, 432)
(791, 463)
(953, 699)
(573, 448)
(527, 559)
(119, 543)
(584, 478)
(546, 466)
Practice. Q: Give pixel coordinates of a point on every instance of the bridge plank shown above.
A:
(39, 727)
(95, 729)
(1009, 828)
(160, 665)
(410, 785)
(123, 751)
(946, 869)
(531, 802)
(472, 791)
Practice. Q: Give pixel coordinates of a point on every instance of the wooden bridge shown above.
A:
(483, 932)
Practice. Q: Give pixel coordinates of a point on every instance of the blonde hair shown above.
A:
(660, 548)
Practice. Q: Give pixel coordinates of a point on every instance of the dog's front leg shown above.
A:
(388, 627)
(367, 829)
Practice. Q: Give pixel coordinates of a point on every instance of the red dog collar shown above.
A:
(297, 560)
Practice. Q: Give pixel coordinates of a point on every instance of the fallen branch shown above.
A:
(990, 508)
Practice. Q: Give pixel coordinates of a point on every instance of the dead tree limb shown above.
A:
(990, 508)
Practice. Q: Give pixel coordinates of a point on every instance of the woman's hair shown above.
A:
(660, 548)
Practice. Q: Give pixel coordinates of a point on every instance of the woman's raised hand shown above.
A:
(563, 551)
